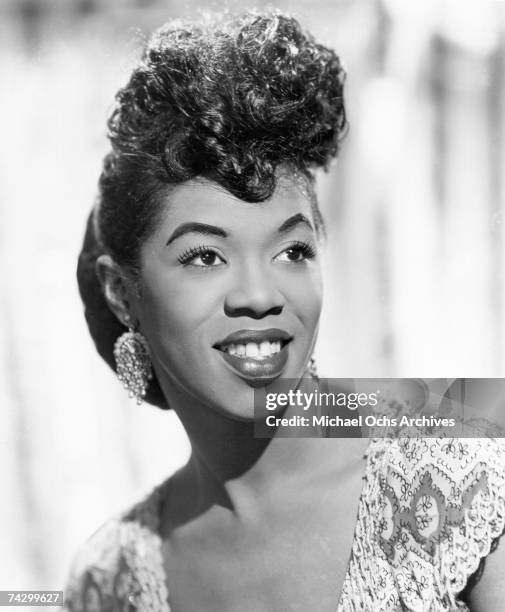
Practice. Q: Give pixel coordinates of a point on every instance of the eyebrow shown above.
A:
(213, 230)
(293, 222)
(199, 228)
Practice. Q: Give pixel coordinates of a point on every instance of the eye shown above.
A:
(297, 252)
(201, 257)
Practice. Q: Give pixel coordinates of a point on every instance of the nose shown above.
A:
(254, 295)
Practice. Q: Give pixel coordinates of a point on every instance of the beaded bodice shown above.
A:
(429, 512)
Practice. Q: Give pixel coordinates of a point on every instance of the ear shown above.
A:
(115, 288)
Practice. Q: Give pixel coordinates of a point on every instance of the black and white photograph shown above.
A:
(252, 332)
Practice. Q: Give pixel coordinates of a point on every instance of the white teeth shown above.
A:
(265, 348)
(251, 349)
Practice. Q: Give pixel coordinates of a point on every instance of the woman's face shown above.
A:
(230, 293)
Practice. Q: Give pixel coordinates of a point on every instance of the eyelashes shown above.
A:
(193, 252)
(304, 248)
(296, 252)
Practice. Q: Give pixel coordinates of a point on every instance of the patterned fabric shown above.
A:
(429, 512)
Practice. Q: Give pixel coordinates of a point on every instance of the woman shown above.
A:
(201, 281)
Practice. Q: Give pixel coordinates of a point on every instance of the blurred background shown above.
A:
(415, 257)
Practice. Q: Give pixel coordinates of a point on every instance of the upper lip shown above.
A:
(244, 336)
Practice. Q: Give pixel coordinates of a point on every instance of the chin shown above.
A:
(235, 396)
(227, 387)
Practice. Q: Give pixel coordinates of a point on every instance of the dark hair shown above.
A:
(230, 101)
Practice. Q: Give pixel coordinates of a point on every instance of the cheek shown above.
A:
(175, 315)
(306, 296)
(167, 318)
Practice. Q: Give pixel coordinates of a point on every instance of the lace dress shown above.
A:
(429, 513)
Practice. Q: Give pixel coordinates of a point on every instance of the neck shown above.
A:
(230, 467)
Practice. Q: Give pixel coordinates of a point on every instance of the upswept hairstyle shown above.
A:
(230, 101)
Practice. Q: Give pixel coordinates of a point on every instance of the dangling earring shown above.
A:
(133, 362)
(312, 368)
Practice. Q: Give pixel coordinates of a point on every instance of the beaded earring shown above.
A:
(133, 362)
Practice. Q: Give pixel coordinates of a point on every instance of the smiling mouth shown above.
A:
(254, 350)
(258, 357)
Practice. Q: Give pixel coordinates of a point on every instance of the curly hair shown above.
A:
(230, 101)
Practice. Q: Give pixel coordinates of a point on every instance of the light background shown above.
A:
(414, 263)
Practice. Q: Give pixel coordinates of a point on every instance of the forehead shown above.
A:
(206, 202)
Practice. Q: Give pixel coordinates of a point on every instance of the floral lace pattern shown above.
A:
(429, 512)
